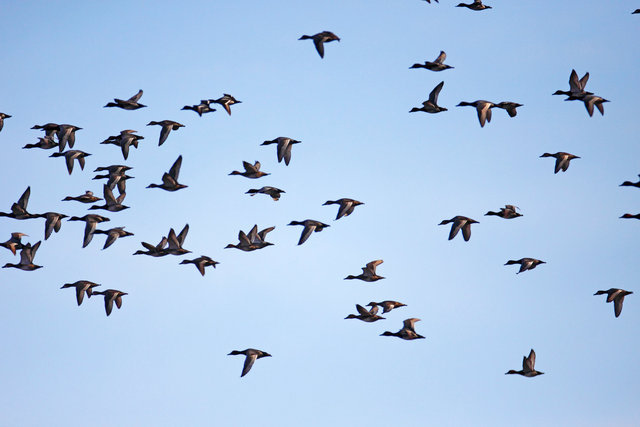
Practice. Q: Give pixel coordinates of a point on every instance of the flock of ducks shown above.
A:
(60, 135)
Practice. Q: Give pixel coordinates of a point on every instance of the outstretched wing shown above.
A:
(433, 96)
(136, 97)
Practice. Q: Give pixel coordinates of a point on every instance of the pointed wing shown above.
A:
(370, 268)
(530, 361)
(200, 266)
(433, 96)
(248, 363)
(455, 227)
(81, 162)
(617, 302)
(253, 234)
(24, 199)
(49, 225)
(263, 234)
(108, 304)
(244, 240)
(308, 229)
(588, 103)
(175, 169)
(88, 233)
(583, 81)
(248, 167)
(79, 294)
(440, 59)
(164, 134)
(108, 196)
(172, 239)
(69, 160)
(574, 83)
(482, 115)
(150, 247)
(168, 180)
(119, 301)
(183, 235)
(283, 144)
(345, 209)
(363, 311)
(111, 238)
(466, 231)
(319, 46)
(135, 98)
(410, 323)
(33, 251)
(600, 107)
(25, 255)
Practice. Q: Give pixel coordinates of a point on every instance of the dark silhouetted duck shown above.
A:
(562, 160)
(70, 156)
(387, 306)
(226, 101)
(91, 222)
(27, 253)
(617, 296)
(250, 170)
(125, 140)
(320, 39)
(154, 251)
(53, 222)
(346, 206)
(14, 243)
(81, 286)
(368, 272)
(528, 366)
(431, 105)
(2, 117)
(201, 108)
(112, 204)
(284, 148)
(631, 184)
(49, 129)
(244, 243)
(460, 222)
(407, 332)
(170, 180)
(271, 191)
(310, 226)
(251, 356)
(508, 212)
(175, 242)
(365, 315)
(111, 295)
(87, 197)
(525, 263)
(635, 11)
(482, 107)
(590, 101)
(476, 5)
(629, 216)
(201, 262)
(19, 209)
(436, 65)
(130, 104)
(167, 126)
(116, 176)
(45, 143)
(66, 134)
(253, 241)
(510, 107)
(112, 235)
(576, 87)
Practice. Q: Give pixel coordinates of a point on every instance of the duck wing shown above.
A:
(248, 363)
(440, 59)
(410, 324)
(370, 268)
(283, 145)
(112, 236)
(164, 133)
(583, 82)
(363, 311)
(88, 232)
(455, 227)
(183, 234)
(175, 169)
(24, 199)
(319, 44)
(433, 96)
(308, 229)
(263, 234)
(346, 207)
(108, 304)
(466, 231)
(528, 364)
(248, 167)
(617, 302)
(135, 98)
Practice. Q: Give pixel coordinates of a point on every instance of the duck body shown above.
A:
(82, 287)
(226, 101)
(387, 306)
(70, 156)
(407, 332)
(508, 212)
(170, 179)
(167, 127)
(310, 226)
(273, 192)
(364, 315)
(27, 253)
(251, 356)
(19, 209)
(201, 262)
(130, 104)
(510, 107)
(346, 206)
(437, 65)
(460, 223)
(87, 197)
(320, 39)
(431, 105)
(476, 5)
(46, 143)
(112, 204)
(617, 296)
(528, 367)
(111, 296)
(284, 148)
(202, 108)
(250, 170)
(483, 109)
(562, 160)
(525, 263)
(368, 272)
(113, 234)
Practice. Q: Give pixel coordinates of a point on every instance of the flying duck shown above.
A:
(250, 170)
(201, 108)
(508, 212)
(201, 262)
(81, 286)
(407, 332)
(70, 156)
(49, 129)
(14, 243)
(66, 133)
(112, 235)
(437, 65)
(251, 356)
(628, 216)
(631, 184)
(368, 272)
(284, 148)
(167, 126)
(365, 315)
(431, 105)
(482, 107)
(45, 143)
(590, 101)
(346, 206)
(510, 107)
(87, 197)
(53, 222)
(562, 160)
(27, 253)
(525, 263)
(2, 117)
(126, 139)
(19, 209)
(528, 366)
(460, 222)
(617, 296)
(319, 40)
(226, 101)
(310, 226)
(170, 180)
(112, 204)
(476, 5)
(387, 306)
(130, 104)
(154, 251)
(576, 87)
(271, 191)
(91, 222)
(175, 242)
(111, 295)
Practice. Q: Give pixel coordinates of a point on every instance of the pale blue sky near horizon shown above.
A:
(162, 358)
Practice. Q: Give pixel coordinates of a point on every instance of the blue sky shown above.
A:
(162, 359)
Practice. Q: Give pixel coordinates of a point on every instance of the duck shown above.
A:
(387, 306)
(82, 287)
(45, 143)
(19, 209)
(635, 11)
(2, 117)
(112, 204)
(525, 263)
(112, 235)
(365, 315)
(14, 243)
(271, 191)
(407, 332)
(310, 225)
(27, 253)
(175, 242)
(284, 148)
(170, 180)
(346, 206)
(562, 160)
(116, 176)
(429, 1)
(528, 366)
(87, 197)
(53, 222)
(201, 108)
(476, 5)
(628, 216)
(510, 107)
(431, 105)
(49, 129)
(460, 222)
(508, 212)
(226, 101)
(125, 140)
(590, 101)
(154, 251)
(250, 170)
(66, 134)
(258, 238)
(617, 296)
(368, 272)
(167, 126)
(482, 107)
(201, 262)
(251, 355)
(576, 87)
(111, 295)
(244, 243)
(130, 104)
(437, 65)
(631, 184)
(320, 39)
(91, 221)
(70, 156)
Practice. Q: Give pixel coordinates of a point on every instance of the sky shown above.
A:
(162, 358)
